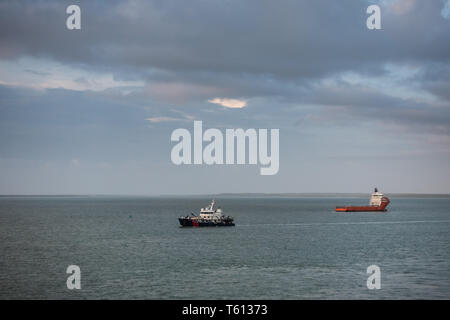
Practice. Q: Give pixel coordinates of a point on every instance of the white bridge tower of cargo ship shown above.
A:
(375, 199)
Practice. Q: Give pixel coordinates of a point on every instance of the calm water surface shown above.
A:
(281, 248)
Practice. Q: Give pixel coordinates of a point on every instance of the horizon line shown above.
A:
(218, 194)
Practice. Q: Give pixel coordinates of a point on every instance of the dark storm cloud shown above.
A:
(288, 39)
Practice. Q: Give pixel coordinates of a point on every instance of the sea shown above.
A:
(282, 247)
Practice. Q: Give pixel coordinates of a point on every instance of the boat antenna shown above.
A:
(376, 190)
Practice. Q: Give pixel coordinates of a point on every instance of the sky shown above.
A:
(91, 111)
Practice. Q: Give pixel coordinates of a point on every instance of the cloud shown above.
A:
(184, 117)
(43, 73)
(295, 40)
(229, 103)
(38, 73)
(445, 12)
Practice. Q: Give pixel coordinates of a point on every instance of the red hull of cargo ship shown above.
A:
(361, 209)
(383, 203)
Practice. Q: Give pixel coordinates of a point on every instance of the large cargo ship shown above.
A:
(378, 202)
(209, 217)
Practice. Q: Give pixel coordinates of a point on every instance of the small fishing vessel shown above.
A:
(209, 217)
(378, 202)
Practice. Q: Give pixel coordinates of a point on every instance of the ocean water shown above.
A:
(281, 248)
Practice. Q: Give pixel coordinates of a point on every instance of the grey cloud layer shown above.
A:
(285, 39)
(234, 48)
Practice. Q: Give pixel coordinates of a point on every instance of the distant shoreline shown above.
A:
(236, 195)
(336, 195)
